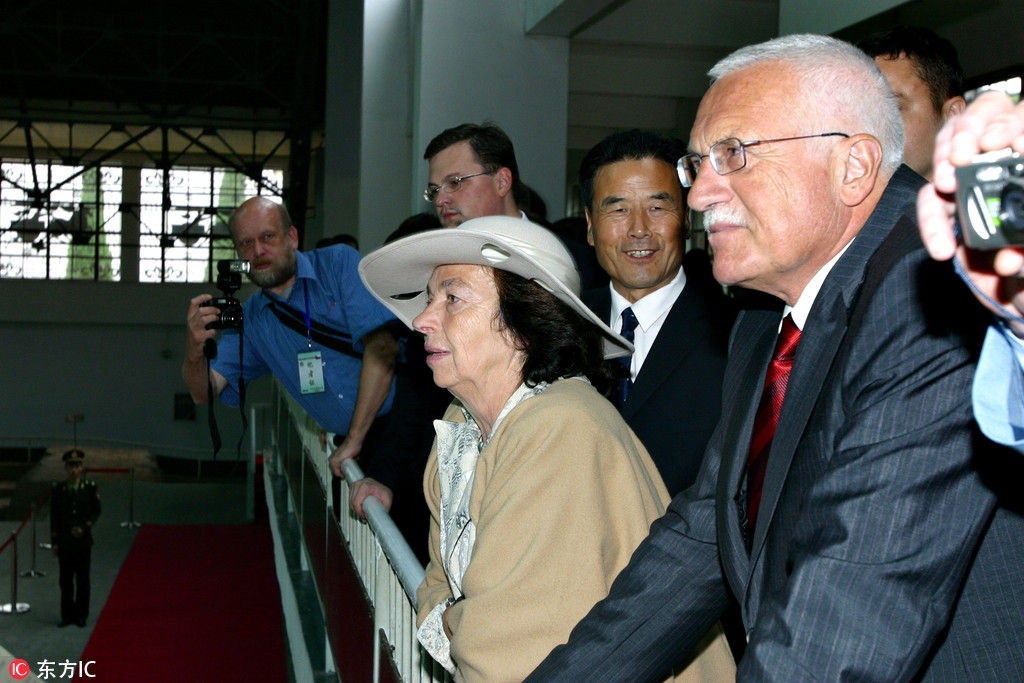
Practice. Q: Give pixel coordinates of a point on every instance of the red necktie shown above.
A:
(767, 417)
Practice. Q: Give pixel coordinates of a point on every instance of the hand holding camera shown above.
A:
(208, 314)
(990, 203)
(229, 279)
(990, 192)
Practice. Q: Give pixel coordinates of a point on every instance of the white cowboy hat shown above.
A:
(397, 273)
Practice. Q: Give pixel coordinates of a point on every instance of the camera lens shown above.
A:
(1012, 213)
(231, 317)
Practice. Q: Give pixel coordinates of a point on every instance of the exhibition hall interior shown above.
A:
(130, 133)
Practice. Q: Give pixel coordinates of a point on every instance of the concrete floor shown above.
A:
(34, 635)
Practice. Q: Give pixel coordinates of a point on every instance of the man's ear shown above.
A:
(503, 181)
(859, 160)
(590, 227)
(954, 106)
(293, 236)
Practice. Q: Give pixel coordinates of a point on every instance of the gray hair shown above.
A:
(858, 95)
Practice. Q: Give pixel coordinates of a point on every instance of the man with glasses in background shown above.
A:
(473, 173)
(312, 325)
(844, 500)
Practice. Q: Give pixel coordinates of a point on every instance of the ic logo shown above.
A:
(19, 669)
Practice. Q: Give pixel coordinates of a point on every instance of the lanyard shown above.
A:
(1000, 311)
(309, 331)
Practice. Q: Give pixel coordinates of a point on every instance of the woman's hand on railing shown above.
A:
(367, 486)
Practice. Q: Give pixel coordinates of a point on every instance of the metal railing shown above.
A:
(388, 569)
(14, 606)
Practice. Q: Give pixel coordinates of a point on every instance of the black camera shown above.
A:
(990, 203)
(229, 280)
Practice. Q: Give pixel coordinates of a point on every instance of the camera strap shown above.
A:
(999, 308)
(322, 334)
(210, 351)
(211, 419)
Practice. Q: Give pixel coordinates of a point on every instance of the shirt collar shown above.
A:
(802, 308)
(651, 307)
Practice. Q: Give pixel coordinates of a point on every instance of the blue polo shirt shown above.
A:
(337, 298)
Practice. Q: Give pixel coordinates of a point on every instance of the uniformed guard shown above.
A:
(74, 508)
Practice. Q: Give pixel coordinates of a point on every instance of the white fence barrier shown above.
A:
(387, 567)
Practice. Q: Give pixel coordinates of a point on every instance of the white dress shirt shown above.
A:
(650, 312)
(802, 308)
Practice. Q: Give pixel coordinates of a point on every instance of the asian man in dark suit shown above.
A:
(635, 213)
(845, 499)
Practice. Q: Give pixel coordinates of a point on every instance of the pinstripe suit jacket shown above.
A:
(885, 548)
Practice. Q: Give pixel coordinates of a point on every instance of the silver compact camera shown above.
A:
(990, 202)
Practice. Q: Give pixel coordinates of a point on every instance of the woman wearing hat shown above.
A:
(538, 490)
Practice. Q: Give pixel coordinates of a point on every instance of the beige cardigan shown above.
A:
(563, 494)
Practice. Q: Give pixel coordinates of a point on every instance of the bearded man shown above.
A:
(312, 325)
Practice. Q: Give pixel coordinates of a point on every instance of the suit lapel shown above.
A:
(673, 344)
(680, 336)
(822, 336)
(751, 347)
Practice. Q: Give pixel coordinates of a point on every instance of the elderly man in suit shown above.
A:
(844, 499)
(670, 307)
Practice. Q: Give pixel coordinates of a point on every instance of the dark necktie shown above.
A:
(767, 417)
(629, 323)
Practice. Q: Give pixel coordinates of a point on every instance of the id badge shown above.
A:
(311, 372)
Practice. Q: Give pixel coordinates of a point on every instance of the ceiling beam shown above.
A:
(691, 24)
(565, 18)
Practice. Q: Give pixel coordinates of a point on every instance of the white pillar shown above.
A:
(337, 203)
(424, 66)
(387, 159)
(476, 63)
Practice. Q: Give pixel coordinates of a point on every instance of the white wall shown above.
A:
(428, 66)
(386, 159)
(108, 350)
(340, 165)
(475, 64)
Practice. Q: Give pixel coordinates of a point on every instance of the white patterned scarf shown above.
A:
(459, 445)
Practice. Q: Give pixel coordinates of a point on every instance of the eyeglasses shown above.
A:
(267, 239)
(728, 156)
(450, 186)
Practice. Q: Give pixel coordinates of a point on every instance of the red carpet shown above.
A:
(196, 603)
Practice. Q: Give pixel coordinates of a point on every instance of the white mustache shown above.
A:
(721, 215)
